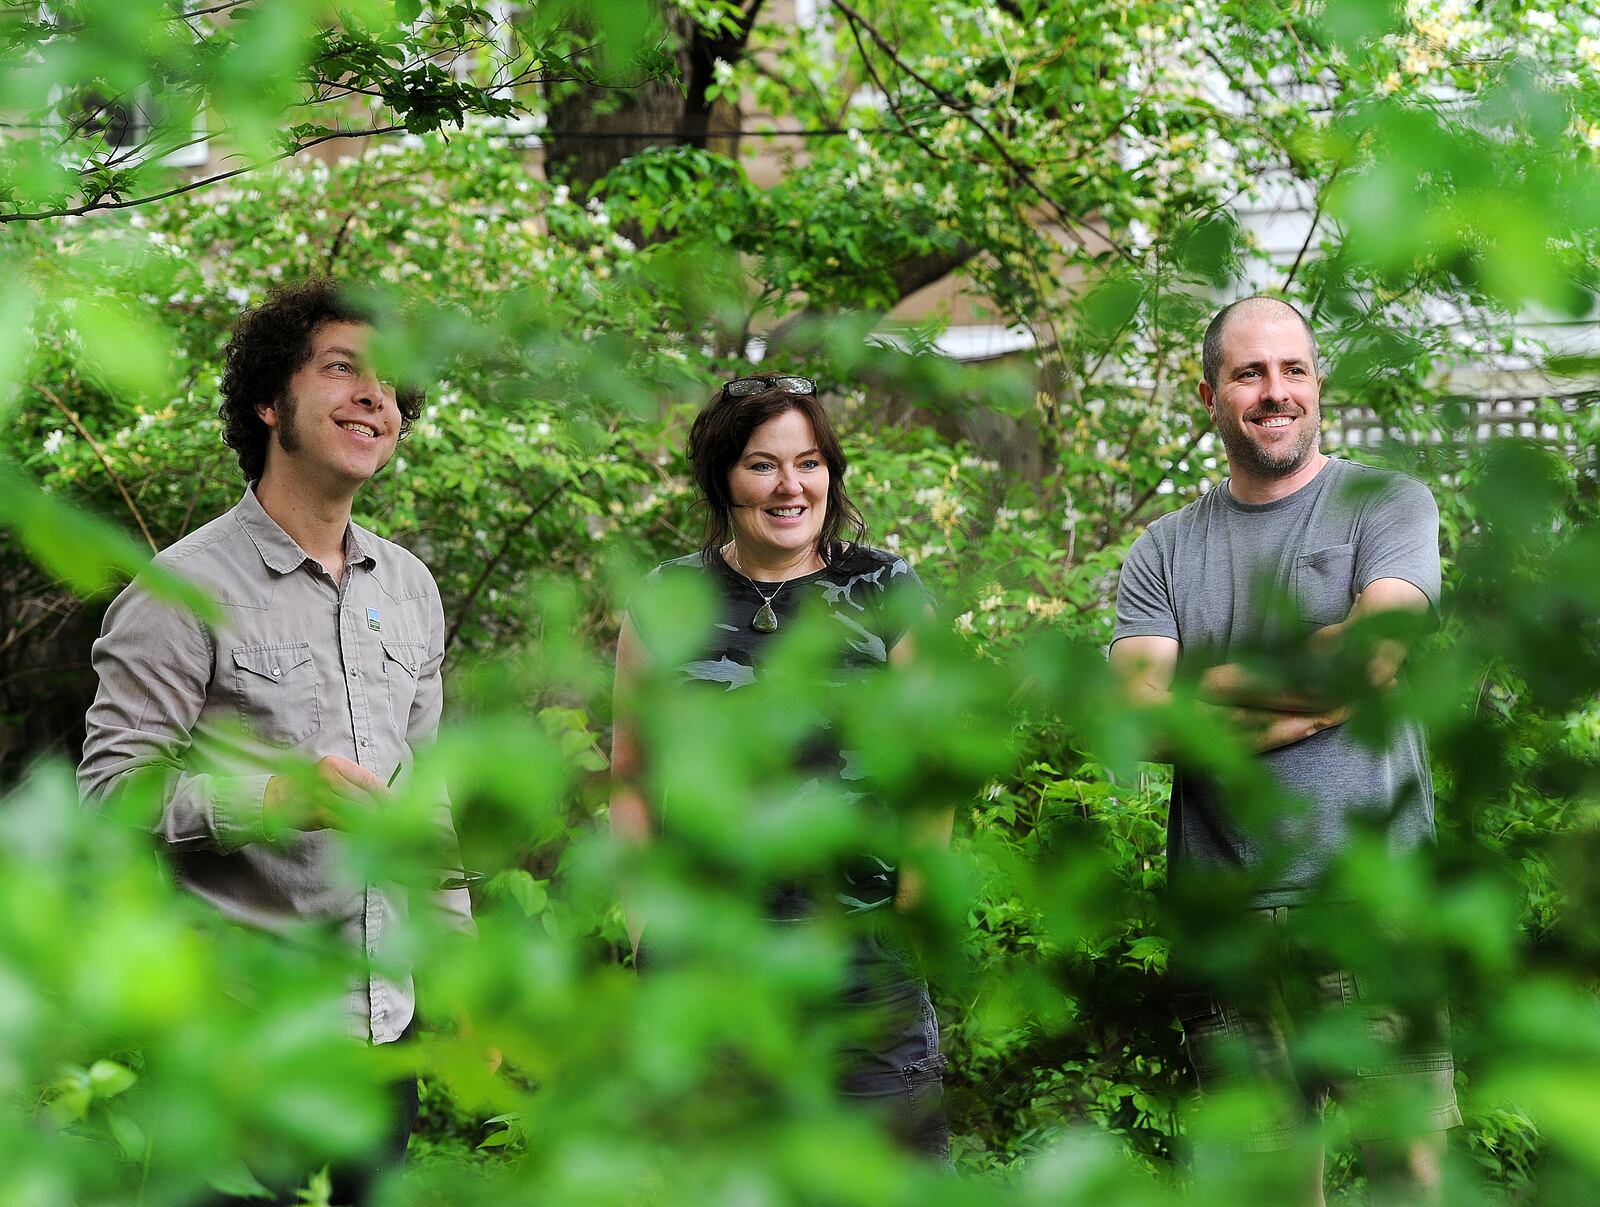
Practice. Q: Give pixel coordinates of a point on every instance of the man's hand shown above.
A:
(1267, 729)
(351, 785)
(1233, 684)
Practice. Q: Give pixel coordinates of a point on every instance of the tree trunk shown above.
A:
(46, 682)
(592, 130)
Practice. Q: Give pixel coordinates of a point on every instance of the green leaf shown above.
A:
(109, 1079)
(70, 1095)
(528, 893)
(127, 1133)
(82, 550)
(240, 1183)
(125, 348)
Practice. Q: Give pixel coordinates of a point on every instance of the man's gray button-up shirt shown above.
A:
(295, 664)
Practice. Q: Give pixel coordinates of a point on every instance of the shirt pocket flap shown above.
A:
(271, 661)
(408, 654)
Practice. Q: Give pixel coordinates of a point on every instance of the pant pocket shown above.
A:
(926, 1130)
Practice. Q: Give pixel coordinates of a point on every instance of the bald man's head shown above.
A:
(1248, 310)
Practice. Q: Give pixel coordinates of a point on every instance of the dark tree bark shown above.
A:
(593, 129)
(910, 275)
(714, 125)
(46, 682)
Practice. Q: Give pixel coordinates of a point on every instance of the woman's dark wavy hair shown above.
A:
(270, 343)
(717, 441)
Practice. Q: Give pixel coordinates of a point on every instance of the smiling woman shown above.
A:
(781, 537)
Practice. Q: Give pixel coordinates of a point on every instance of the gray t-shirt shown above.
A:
(1223, 577)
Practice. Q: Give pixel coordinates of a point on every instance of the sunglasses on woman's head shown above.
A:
(743, 387)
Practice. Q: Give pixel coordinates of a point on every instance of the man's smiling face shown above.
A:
(1267, 401)
(337, 422)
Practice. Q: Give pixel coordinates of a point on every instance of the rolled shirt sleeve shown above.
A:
(154, 662)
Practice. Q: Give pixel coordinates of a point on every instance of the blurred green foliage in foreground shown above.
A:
(147, 1045)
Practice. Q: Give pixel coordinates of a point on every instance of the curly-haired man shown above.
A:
(327, 644)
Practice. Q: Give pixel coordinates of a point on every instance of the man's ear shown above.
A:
(267, 412)
(1208, 396)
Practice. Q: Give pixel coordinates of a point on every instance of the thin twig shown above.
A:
(188, 512)
(191, 186)
(19, 632)
(206, 12)
(105, 464)
(888, 96)
(1194, 439)
(494, 562)
(1316, 219)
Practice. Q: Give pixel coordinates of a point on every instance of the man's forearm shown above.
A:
(1232, 685)
(1262, 729)
(1271, 728)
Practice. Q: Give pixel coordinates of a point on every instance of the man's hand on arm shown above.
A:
(1387, 653)
(1233, 684)
(1147, 666)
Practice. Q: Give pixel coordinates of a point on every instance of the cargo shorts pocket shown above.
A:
(1396, 1049)
(927, 1130)
(1210, 1036)
(280, 700)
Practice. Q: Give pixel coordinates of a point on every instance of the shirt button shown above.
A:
(355, 672)
(276, 671)
(363, 741)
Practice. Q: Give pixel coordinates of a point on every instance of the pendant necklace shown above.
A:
(765, 620)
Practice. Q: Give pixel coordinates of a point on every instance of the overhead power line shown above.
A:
(678, 135)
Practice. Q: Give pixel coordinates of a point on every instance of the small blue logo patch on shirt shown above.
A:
(373, 621)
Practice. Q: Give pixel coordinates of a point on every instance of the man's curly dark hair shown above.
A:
(270, 343)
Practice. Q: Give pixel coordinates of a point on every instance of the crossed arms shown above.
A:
(1269, 715)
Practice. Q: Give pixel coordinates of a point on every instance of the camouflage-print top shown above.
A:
(873, 596)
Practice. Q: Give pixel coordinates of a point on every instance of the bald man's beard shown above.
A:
(1244, 453)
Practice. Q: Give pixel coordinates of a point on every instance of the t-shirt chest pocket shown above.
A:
(1323, 584)
(280, 700)
(402, 662)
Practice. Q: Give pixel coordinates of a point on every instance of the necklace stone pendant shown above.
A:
(765, 620)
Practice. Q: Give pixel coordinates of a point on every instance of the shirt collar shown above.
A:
(358, 546)
(281, 553)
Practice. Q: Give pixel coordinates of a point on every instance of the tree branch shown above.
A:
(888, 97)
(1311, 232)
(191, 186)
(1068, 221)
(500, 555)
(105, 464)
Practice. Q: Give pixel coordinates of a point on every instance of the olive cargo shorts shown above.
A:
(1400, 1083)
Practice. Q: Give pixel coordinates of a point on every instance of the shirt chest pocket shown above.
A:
(280, 700)
(1322, 584)
(402, 662)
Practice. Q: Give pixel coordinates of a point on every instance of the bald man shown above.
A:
(1280, 559)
